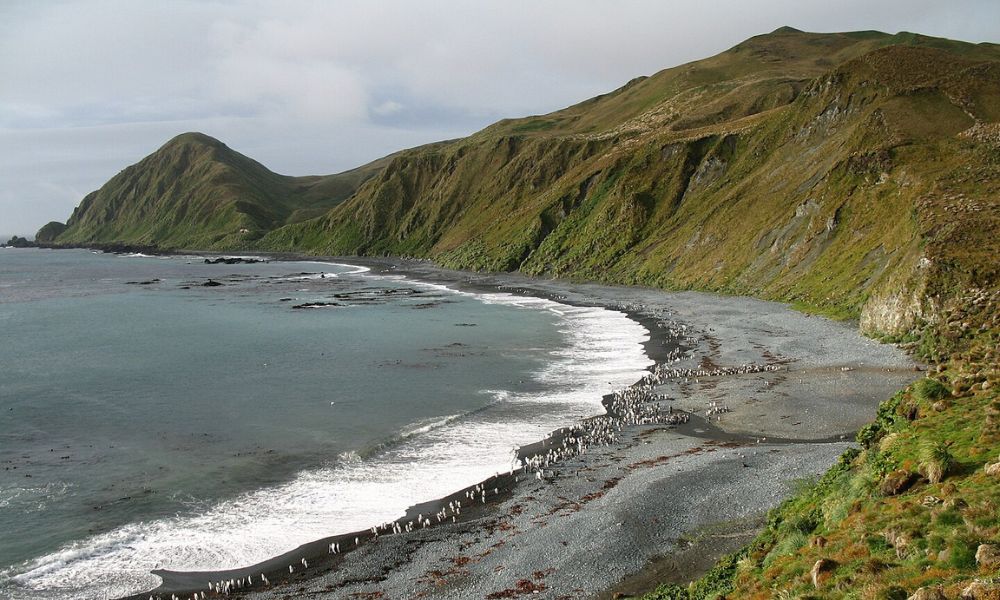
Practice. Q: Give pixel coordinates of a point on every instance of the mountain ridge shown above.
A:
(194, 191)
(778, 168)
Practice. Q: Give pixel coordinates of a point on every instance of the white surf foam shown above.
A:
(348, 270)
(351, 269)
(433, 459)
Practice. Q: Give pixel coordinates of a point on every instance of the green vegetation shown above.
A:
(943, 429)
(195, 192)
(49, 232)
(854, 175)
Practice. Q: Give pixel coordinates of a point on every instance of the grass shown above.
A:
(936, 462)
(888, 546)
(194, 192)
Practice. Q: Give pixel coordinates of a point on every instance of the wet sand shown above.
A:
(661, 503)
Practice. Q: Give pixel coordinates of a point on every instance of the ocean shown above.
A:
(150, 421)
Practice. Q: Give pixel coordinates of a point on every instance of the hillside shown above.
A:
(196, 192)
(832, 170)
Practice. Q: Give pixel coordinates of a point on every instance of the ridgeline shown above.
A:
(856, 175)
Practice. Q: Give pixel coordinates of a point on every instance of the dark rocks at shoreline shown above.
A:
(232, 260)
(426, 305)
(316, 305)
(19, 242)
(212, 283)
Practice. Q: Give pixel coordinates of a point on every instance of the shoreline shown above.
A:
(316, 553)
(406, 558)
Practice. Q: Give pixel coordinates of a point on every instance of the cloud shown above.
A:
(310, 86)
(389, 107)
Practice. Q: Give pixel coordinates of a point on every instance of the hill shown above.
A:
(833, 170)
(196, 192)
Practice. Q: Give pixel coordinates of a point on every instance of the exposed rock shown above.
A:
(822, 567)
(19, 242)
(211, 283)
(981, 590)
(316, 304)
(928, 593)
(232, 260)
(894, 313)
(897, 482)
(988, 556)
(993, 469)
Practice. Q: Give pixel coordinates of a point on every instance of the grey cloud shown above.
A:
(316, 87)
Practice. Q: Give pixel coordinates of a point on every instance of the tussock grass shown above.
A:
(936, 462)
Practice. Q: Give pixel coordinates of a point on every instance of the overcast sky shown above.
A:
(313, 87)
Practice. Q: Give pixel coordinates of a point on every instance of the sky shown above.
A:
(88, 87)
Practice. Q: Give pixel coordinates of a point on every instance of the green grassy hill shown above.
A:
(834, 170)
(195, 192)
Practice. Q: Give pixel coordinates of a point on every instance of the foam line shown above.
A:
(432, 459)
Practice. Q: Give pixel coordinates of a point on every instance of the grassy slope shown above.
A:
(195, 192)
(804, 167)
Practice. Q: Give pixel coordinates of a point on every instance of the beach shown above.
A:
(771, 397)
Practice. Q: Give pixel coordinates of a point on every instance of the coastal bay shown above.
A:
(661, 502)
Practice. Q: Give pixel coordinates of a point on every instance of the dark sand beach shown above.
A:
(660, 503)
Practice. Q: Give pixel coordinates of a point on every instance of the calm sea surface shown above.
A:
(149, 421)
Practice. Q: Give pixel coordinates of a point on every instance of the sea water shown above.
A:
(149, 421)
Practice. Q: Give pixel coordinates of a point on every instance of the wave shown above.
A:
(426, 460)
(427, 425)
(354, 269)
